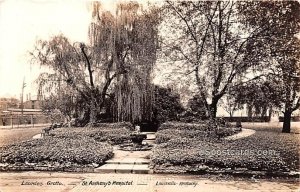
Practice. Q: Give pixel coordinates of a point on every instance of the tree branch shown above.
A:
(297, 106)
(184, 20)
(89, 65)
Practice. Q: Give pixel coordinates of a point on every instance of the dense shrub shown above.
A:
(165, 135)
(84, 151)
(282, 153)
(201, 130)
(248, 119)
(112, 134)
(204, 125)
(293, 118)
(186, 147)
(115, 136)
(196, 109)
(194, 153)
(167, 104)
(117, 125)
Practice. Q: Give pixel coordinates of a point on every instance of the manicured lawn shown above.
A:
(267, 149)
(272, 126)
(10, 136)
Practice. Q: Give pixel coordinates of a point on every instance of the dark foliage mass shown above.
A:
(167, 105)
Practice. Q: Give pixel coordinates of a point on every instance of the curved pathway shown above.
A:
(242, 134)
(38, 136)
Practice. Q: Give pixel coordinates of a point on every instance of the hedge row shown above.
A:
(263, 151)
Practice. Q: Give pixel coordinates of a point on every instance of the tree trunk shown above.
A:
(231, 114)
(92, 111)
(249, 111)
(264, 111)
(287, 122)
(270, 113)
(213, 109)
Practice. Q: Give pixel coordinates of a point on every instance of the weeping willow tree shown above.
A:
(71, 73)
(117, 61)
(131, 36)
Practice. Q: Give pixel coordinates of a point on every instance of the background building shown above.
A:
(13, 114)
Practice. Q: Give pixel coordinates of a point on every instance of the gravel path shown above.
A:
(242, 134)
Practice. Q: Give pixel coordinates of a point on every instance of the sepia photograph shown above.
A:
(149, 95)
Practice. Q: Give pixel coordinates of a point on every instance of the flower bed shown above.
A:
(186, 126)
(113, 133)
(172, 130)
(126, 125)
(189, 151)
(165, 135)
(54, 150)
(66, 149)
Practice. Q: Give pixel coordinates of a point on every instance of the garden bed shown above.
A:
(66, 149)
(54, 153)
(203, 131)
(113, 133)
(180, 151)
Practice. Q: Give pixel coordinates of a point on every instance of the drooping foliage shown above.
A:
(118, 59)
(131, 37)
(166, 106)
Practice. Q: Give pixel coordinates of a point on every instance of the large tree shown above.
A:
(287, 78)
(212, 43)
(121, 52)
(282, 19)
(259, 97)
(132, 34)
(71, 69)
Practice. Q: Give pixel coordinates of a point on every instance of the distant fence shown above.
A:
(247, 119)
(19, 120)
(294, 118)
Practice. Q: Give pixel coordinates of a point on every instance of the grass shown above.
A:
(272, 126)
(11, 136)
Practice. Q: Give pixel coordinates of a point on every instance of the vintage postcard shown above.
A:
(149, 95)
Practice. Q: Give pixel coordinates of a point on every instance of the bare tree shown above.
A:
(213, 44)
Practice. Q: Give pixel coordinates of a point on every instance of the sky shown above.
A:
(22, 23)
